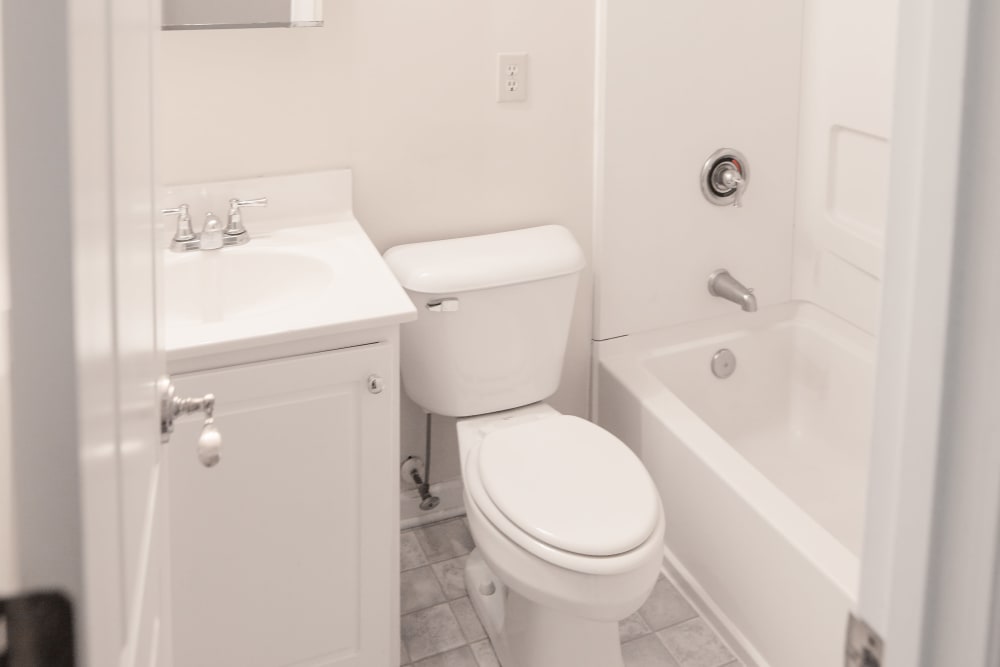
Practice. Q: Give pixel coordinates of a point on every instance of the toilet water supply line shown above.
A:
(427, 501)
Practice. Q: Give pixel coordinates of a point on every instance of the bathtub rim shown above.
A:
(625, 358)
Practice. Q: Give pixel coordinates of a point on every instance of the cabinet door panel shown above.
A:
(279, 556)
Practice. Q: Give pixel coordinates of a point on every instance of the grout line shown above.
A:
(672, 577)
(706, 614)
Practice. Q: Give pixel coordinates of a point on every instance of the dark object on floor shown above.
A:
(36, 630)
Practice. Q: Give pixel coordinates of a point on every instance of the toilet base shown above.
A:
(526, 634)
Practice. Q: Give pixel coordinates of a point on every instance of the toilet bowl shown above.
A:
(567, 522)
(548, 605)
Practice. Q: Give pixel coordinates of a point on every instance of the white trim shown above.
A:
(710, 612)
(959, 615)
(911, 361)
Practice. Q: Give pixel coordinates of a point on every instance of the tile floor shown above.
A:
(440, 628)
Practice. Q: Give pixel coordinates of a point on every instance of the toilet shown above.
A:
(567, 523)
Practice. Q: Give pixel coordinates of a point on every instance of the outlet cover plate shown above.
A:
(512, 77)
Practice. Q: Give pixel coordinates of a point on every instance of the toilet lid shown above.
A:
(570, 484)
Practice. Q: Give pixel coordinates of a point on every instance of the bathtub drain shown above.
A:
(723, 363)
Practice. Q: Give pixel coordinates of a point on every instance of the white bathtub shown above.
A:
(763, 474)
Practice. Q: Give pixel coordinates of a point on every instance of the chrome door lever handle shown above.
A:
(171, 407)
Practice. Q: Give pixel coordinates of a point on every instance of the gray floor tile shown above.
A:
(647, 651)
(419, 589)
(431, 631)
(666, 607)
(439, 633)
(410, 553)
(445, 540)
(451, 574)
(632, 627)
(485, 657)
(694, 644)
(462, 657)
(468, 620)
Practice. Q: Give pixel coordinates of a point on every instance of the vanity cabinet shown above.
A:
(286, 552)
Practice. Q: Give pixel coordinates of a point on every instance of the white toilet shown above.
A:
(567, 522)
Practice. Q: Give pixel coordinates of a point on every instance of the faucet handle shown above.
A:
(729, 181)
(240, 203)
(184, 237)
(234, 223)
(734, 180)
(724, 178)
(184, 231)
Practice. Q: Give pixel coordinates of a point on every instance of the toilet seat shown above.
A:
(544, 485)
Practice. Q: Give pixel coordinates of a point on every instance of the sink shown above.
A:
(236, 283)
(296, 284)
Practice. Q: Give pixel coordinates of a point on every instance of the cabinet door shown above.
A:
(285, 552)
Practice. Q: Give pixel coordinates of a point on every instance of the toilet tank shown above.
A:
(494, 316)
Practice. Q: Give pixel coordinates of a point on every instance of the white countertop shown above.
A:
(299, 280)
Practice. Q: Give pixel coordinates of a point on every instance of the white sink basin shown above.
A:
(290, 284)
(232, 283)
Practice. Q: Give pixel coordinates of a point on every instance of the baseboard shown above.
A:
(710, 612)
(451, 505)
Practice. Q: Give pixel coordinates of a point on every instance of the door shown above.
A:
(929, 580)
(281, 554)
(122, 483)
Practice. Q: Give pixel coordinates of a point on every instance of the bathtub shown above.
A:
(762, 474)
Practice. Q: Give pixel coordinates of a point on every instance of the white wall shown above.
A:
(682, 80)
(405, 94)
(843, 176)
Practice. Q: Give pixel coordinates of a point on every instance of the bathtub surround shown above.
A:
(434, 157)
(662, 111)
(842, 182)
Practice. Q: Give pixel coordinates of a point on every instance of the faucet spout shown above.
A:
(722, 284)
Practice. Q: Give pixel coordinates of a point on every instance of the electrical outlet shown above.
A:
(512, 77)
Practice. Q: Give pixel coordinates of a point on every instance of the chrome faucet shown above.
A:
(211, 233)
(236, 233)
(722, 284)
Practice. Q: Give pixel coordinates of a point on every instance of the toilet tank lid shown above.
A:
(490, 260)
